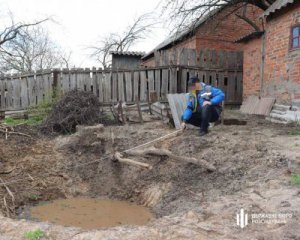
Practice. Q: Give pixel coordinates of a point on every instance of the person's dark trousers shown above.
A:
(203, 117)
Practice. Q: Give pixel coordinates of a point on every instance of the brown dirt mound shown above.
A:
(76, 107)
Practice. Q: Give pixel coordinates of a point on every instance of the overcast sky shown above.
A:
(82, 22)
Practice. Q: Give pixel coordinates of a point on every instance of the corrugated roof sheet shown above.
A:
(179, 36)
(250, 36)
(128, 53)
(279, 4)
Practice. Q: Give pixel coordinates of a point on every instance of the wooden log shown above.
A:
(165, 152)
(119, 157)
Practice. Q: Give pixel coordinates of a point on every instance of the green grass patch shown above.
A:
(34, 196)
(294, 132)
(34, 235)
(295, 179)
(30, 121)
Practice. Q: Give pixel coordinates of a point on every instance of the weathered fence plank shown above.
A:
(114, 87)
(231, 87)
(151, 80)
(239, 89)
(2, 94)
(136, 82)
(158, 82)
(107, 95)
(173, 80)
(98, 86)
(128, 86)
(164, 83)
(184, 80)
(121, 86)
(143, 89)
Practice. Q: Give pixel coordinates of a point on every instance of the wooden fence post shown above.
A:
(55, 84)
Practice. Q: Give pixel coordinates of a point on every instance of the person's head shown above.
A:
(194, 84)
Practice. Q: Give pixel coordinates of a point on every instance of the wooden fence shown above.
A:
(203, 58)
(20, 92)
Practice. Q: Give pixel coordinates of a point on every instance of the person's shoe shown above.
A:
(202, 133)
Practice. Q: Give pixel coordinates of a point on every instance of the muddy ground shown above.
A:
(254, 165)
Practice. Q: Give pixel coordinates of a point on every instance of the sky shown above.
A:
(79, 23)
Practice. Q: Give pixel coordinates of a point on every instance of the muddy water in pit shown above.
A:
(90, 213)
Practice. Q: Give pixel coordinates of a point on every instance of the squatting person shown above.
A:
(203, 105)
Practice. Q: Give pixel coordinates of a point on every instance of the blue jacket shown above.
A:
(216, 97)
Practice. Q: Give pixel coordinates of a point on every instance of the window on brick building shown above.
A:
(295, 37)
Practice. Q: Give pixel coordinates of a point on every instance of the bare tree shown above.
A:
(66, 57)
(101, 51)
(121, 42)
(13, 30)
(32, 49)
(186, 13)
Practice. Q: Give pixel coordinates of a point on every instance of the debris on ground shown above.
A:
(9, 130)
(75, 108)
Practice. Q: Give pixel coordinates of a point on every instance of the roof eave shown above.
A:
(250, 36)
(276, 6)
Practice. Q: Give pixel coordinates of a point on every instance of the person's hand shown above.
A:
(183, 125)
(206, 103)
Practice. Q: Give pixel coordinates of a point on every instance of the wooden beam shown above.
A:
(119, 157)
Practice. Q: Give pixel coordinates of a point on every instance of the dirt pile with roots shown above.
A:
(75, 108)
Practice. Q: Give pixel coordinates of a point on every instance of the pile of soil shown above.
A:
(75, 108)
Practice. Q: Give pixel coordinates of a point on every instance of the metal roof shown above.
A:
(128, 53)
(180, 35)
(250, 36)
(279, 4)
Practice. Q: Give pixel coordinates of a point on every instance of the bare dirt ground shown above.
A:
(254, 163)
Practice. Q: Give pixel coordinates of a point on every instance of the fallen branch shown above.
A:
(118, 157)
(6, 207)
(8, 191)
(8, 171)
(16, 133)
(165, 152)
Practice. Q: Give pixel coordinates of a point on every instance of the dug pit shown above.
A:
(251, 167)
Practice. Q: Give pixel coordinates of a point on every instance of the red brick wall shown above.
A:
(281, 77)
(282, 66)
(219, 33)
(252, 67)
(149, 62)
(225, 28)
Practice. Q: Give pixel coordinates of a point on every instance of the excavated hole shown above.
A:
(170, 187)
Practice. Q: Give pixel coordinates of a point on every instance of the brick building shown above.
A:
(218, 30)
(272, 58)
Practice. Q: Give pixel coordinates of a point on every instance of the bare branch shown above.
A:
(11, 32)
(121, 42)
(184, 13)
(29, 51)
